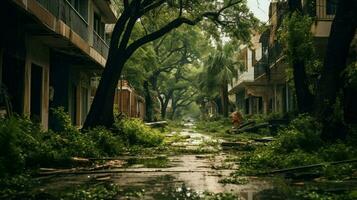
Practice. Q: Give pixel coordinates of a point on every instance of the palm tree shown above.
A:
(220, 72)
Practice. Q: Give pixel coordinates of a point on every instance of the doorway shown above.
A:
(36, 93)
(13, 79)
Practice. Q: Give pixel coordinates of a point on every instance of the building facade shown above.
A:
(128, 101)
(268, 91)
(50, 51)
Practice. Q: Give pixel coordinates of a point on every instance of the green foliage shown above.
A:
(11, 159)
(17, 187)
(216, 126)
(296, 37)
(60, 120)
(109, 143)
(96, 192)
(302, 133)
(135, 132)
(350, 74)
(298, 144)
(25, 145)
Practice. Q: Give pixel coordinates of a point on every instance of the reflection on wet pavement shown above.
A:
(174, 177)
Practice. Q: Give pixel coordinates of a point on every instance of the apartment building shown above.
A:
(50, 51)
(268, 91)
(243, 89)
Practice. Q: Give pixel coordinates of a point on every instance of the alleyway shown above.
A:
(198, 170)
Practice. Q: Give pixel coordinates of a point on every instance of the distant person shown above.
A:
(237, 119)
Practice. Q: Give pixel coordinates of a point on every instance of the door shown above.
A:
(36, 93)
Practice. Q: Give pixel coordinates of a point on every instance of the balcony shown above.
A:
(64, 11)
(260, 68)
(263, 66)
(100, 45)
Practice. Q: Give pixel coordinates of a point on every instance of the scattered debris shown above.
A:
(158, 124)
(264, 139)
(307, 167)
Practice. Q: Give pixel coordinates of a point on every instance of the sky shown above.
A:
(260, 8)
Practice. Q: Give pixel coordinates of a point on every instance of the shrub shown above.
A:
(60, 120)
(219, 126)
(11, 158)
(337, 152)
(135, 132)
(302, 133)
(106, 141)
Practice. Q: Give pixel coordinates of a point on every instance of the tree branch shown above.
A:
(172, 25)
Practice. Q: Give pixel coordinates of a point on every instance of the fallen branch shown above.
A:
(157, 124)
(306, 167)
(113, 171)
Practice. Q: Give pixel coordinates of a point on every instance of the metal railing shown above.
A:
(100, 45)
(63, 10)
(267, 61)
(261, 67)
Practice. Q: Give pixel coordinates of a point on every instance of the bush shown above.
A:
(11, 159)
(219, 126)
(337, 152)
(135, 132)
(60, 120)
(106, 141)
(302, 133)
(298, 144)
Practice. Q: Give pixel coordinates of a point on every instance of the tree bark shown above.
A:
(343, 30)
(224, 99)
(148, 103)
(164, 103)
(101, 111)
(304, 97)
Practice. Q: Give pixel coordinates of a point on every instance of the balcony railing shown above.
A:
(260, 68)
(267, 61)
(100, 45)
(63, 10)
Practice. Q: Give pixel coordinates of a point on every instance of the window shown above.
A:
(98, 25)
(331, 7)
(81, 6)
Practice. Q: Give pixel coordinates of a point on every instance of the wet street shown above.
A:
(198, 170)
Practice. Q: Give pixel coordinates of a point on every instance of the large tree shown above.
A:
(331, 84)
(231, 16)
(221, 69)
(331, 92)
(298, 38)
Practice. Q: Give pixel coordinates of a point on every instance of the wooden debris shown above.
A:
(264, 139)
(307, 167)
(158, 124)
(255, 127)
(235, 145)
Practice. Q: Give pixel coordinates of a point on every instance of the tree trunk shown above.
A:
(304, 97)
(148, 103)
(350, 106)
(101, 111)
(163, 111)
(342, 32)
(224, 99)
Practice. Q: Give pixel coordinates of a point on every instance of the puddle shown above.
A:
(183, 176)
